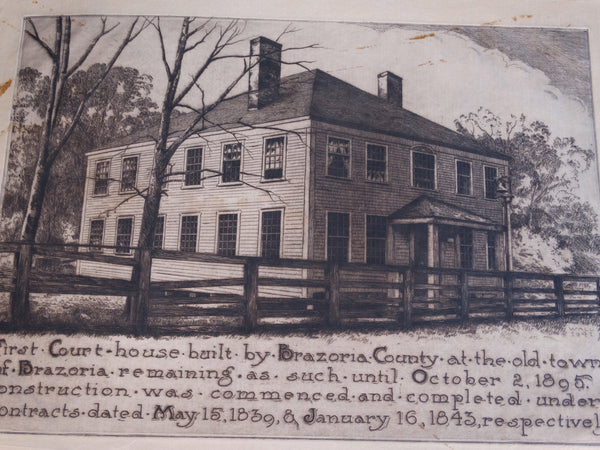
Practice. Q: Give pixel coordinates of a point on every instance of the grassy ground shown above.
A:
(105, 315)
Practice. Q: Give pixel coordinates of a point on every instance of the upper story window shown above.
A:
(376, 163)
(423, 165)
(491, 177)
(232, 162)
(101, 177)
(159, 232)
(193, 167)
(96, 234)
(338, 236)
(274, 152)
(463, 177)
(124, 233)
(338, 157)
(129, 173)
(189, 233)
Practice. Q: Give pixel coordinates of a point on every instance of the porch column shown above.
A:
(390, 244)
(433, 250)
(433, 245)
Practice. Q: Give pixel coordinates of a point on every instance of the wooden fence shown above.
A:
(290, 291)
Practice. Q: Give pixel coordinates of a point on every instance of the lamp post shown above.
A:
(504, 193)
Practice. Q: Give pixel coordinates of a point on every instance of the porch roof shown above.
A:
(426, 209)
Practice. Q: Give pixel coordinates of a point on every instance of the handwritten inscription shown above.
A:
(298, 387)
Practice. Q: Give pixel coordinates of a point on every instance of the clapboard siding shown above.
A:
(360, 197)
(247, 199)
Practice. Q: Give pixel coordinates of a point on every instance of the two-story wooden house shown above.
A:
(306, 166)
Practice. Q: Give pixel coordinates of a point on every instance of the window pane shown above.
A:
(227, 234)
(376, 239)
(101, 178)
(96, 233)
(193, 167)
(274, 158)
(189, 233)
(423, 170)
(338, 157)
(491, 251)
(129, 173)
(124, 229)
(159, 228)
(271, 233)
(491, 174)
(376, 163)
(338, 236)
(232, 161)
(466, 248)
(463, 177)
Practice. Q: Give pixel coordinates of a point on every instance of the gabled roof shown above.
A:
(326, 98)
(429, 209)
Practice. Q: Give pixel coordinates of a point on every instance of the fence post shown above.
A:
(20, 298)
(251, 293)
(464, 297)
(559, 292)
(333, 275)
(141, 302)
(508, 294)
(407, 297)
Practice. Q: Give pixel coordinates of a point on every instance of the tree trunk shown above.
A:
(31, 220)
(149, 216)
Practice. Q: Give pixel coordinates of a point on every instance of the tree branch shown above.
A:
(36, 37)
(91, 47)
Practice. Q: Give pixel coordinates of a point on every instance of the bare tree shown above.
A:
(218, 42)
(55, 134)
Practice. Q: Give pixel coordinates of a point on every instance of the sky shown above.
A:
(447, 71)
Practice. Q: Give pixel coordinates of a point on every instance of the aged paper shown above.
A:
(391, 140)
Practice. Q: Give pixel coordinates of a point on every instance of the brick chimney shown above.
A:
(265, 72)
(389, 88)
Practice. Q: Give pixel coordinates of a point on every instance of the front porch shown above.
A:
(430, 233)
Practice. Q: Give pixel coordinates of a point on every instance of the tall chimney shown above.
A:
(389, 87)
(265, 72)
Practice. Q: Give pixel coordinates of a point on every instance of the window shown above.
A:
(492, 263)
(101, 178)
(463, 177)
(193, 167)
(423, 170)
(491, 175)
(189, 233)
(232, 162)
(96, 234)
(271, 234)
(227, 238)
(274, 148)
(376, 163)
(338, 157)
(159, 231)
(129, 173)
(376, 237)
(124, 231)
(466, 247)
(338, 236)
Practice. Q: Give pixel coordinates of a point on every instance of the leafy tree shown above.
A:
(55, 133)
(544, 176)
(120, 106)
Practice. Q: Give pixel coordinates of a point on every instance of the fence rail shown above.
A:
(318, 293)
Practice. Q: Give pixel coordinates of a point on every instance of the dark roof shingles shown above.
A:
(325, 98)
